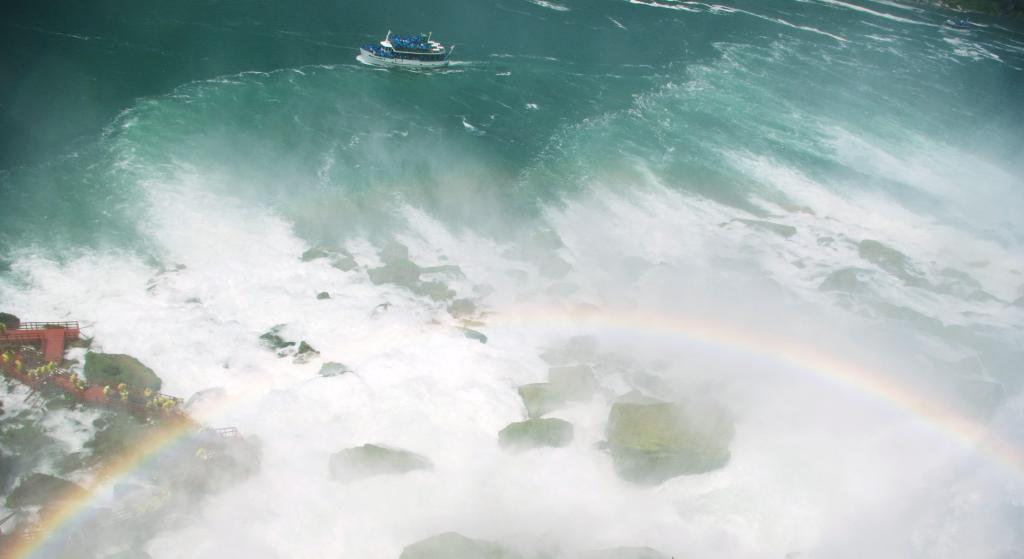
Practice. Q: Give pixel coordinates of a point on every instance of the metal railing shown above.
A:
(68, 325)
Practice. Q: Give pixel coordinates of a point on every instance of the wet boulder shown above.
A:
(9, 321)
(305, 353)
(370, 460)
(42, 489)
(332, 369)
(535, 433)
(272, 339)
(111, 369)
(452, 545)
(651, 442)
(323, 295)
(540, 398)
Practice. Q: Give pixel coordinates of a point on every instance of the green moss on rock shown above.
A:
(111, 369)
(535, 433)
(452, 545)
(370, 460)
(653, 442)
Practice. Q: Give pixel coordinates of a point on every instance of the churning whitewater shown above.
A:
(627, 279)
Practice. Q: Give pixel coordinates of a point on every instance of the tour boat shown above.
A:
(413, 51)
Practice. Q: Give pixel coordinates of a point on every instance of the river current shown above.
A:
(748, 203)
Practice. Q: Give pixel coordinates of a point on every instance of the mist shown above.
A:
(754, 294)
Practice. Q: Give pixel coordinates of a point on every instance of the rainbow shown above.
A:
(74, 503)
(871, 382)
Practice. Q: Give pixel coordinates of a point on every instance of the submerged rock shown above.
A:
(402, 272)
(847, 280)
(434, 290)
(474, 335)
(780, 229)
(111, 369)
(42, 489)
(892, 261)
(339, 259)
(372, 460)
(653, 442)
(624, 553)
(272, 339)
(332, 369)
(462, 308)
(305, 353)
(535, 433)
(452, 545)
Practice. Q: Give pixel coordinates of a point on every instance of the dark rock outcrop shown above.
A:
(111, 369)
(9, 321)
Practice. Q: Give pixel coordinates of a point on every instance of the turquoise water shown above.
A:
(846, 174)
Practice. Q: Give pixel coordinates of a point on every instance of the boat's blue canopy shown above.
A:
(411, 42)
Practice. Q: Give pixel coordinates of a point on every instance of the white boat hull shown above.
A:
(374, 60)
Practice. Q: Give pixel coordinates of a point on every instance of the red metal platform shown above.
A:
(49, 335)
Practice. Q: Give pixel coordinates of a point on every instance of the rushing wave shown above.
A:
(805, 214)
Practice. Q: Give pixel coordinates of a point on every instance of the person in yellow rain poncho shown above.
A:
(122, 390)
